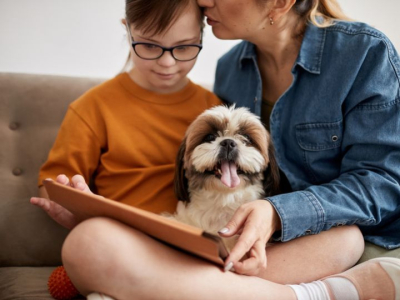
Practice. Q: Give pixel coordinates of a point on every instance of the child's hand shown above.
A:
(58, 213)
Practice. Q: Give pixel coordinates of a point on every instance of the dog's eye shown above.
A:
(209, 138)
(248, 139)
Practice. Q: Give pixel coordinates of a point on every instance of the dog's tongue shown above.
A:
(229, 174)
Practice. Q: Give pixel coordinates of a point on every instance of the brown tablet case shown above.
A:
(183, 236)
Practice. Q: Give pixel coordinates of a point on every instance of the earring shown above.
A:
(271, 21)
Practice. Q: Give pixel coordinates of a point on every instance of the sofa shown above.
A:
(31, 110)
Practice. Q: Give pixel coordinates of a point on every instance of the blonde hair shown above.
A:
(321, 13)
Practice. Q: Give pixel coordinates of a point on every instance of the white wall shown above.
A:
(85, 38)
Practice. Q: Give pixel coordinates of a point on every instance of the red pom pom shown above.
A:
(60, 286)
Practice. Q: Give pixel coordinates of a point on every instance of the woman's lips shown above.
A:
(211, 22)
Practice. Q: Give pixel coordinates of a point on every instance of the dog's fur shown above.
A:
(225, 160)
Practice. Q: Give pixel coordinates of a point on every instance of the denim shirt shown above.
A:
(336, 130)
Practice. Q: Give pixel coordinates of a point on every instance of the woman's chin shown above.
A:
(223, 34)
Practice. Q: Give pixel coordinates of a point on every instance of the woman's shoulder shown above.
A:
(361, 35)
(365, 59)
(361, 41)
(356, 28)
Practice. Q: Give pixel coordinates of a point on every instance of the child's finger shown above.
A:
(62, 179)
(33, 200)
(41, 202)
(80, 183)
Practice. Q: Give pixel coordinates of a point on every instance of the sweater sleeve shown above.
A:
(76, 150)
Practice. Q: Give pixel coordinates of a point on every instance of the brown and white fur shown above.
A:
(225, 160)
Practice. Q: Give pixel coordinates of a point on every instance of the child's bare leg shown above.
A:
(313, 257)
(105, 256)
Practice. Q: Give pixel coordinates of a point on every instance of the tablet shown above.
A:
(182, 236)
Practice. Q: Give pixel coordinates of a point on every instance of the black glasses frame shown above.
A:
(164, 49)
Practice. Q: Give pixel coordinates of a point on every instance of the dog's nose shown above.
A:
(228, 143)
(228, 150)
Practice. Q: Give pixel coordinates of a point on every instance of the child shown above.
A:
(124, 134)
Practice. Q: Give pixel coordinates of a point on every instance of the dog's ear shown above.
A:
(180, 180)
(272, 177)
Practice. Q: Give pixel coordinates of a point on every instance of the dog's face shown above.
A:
(225, 149)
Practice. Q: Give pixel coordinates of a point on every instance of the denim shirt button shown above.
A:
(308, 231)
(334, 138)
(255, 99)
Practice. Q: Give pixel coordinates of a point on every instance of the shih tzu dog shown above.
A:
(225, 160)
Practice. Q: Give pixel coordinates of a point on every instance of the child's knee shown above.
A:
(82, 253)
(82, 235)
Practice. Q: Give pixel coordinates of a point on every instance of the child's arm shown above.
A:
(58, 213)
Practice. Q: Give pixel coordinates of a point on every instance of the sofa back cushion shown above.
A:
(31, 110)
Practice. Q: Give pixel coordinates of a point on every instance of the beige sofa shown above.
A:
(31, 109)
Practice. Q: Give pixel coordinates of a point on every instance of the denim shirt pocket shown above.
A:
(321, 152)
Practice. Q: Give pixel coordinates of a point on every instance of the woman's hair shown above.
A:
(321, 13)
(156, 16)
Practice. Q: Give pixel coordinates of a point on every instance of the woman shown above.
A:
(289, 54)
(335, 122)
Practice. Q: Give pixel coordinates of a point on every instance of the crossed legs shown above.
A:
(106, 256)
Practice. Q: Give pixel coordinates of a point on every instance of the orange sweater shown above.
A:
(126, 138)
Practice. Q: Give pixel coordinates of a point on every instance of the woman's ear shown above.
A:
(123, 21)
(280, 8)
(180, 180)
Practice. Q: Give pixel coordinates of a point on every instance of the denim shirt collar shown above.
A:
(310, 54)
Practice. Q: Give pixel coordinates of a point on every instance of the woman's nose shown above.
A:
(205, 3)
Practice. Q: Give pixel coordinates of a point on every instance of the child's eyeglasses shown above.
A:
(151, 51)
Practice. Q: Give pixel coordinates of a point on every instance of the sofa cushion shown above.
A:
(31, 110)
(373, 251)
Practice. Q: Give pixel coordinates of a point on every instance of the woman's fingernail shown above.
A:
(228, 267)
(224, 230)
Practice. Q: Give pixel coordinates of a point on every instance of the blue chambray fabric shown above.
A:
(336, 130)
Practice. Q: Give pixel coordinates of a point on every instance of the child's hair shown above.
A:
(156, 16)
(321, 13)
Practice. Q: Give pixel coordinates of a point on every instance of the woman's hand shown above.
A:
(58, 213)
(255, 222)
